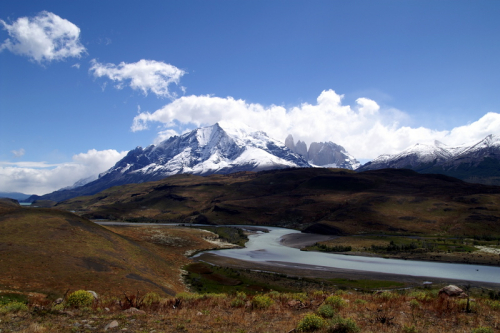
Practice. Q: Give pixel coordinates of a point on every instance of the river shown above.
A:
(266, 247)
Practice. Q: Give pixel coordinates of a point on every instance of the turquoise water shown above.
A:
(266, 247)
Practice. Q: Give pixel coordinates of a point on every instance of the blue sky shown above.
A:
(373, 76)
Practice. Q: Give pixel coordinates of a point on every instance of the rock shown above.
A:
(452, 291)
(134, 311)
(111, 325)
(427, 284)
(199, 313)
(59, 300)
(96, 297)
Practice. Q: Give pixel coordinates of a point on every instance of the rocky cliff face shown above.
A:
(323, 154)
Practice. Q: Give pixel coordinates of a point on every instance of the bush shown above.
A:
(311, 322)
(483, 330)
(360, 301)
(262, 302)
(188, 296)
(326, 311)
(239, 301)
(151, 298)
(80, 298)
(421, 296)
(414, 304)
(494, 305)
(410, 329)
(336, 302)
(386, 295)
(13, 307)
(341, 325)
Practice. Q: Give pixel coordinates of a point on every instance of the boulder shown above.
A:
(452, 291)
(134, 311)
(111, 325)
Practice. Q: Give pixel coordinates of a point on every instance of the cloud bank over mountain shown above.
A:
(364, 129)
(41, 177)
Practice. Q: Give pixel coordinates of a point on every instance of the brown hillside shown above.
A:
(323, 200)
(49, 250)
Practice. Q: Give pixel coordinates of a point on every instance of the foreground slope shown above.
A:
(330, 201)
(52, 251)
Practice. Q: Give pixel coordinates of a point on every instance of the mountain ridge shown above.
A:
(222, 148)
(478, 162)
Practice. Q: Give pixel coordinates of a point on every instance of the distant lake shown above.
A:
(25, 203)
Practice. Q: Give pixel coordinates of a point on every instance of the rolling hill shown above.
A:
(51, 251)
(332, 201)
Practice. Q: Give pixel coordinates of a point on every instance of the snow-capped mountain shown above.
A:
(477, 162)
(218, 149)
(323, 154)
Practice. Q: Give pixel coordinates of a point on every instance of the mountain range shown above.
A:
(218, 149)
(476, 163)
(226, 147)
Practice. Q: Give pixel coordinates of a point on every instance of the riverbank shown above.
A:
(481, 256)
(300, 240)
(318, 272)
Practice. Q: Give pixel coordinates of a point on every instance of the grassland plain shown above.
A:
(329, 201)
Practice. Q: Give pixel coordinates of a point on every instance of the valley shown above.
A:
(50, 252)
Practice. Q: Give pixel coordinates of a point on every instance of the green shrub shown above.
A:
(341, 325)
(13, 307)
(239, 300)
(410, 329)
(151, 298)
(336, 302)
(58, 307)
(311, 322)
(494, 305)
(462, 303)
(421, 296)
(360, 301)
(215, 296)
(274, 294)
(386, 295)
(414, 304)
(80, 298)
(326, 311)
(482, 329)
(262, 302)
(237, 303)
(188, 296)
(294, 296)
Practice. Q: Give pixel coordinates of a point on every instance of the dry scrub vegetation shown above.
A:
(341, 311)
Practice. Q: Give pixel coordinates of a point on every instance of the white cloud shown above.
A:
(144, 75)
(77, 65)
(41, 178)
(364, 129)
(18, 153)
(45, 37)
(164, 135)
